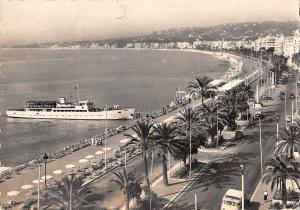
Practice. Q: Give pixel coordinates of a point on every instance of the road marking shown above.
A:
(186, 186)
(255, 191)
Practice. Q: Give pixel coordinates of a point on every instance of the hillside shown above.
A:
(237, 31)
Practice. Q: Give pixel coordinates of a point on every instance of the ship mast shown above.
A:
(77, 88)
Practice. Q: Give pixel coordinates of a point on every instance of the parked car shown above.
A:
(258, 114)
(232, 200)
(282, 95)
(265, 97)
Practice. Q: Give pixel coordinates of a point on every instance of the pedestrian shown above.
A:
(265, 195)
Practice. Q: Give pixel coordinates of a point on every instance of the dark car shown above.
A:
(282, 95)
(265, 97)
(292, 96)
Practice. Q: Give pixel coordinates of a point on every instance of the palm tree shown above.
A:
(130, 184)
(142, 139)
(201, 87)
(278, 170)
(59, 195)
(188, 117)
(165, 139)
(188, 120)
(229, 102)
(214, 116)
(245, 93)
(288, 141)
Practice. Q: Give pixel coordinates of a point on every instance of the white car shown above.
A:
(232, 200)
(288, 118)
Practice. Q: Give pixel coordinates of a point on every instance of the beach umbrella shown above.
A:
(70, 166)
(27, 186)
(36, 181)
(89, 156)
(58, 172)
(47, 177)
(107, 149)
(13, 193)
(99, 153)
(83, 161)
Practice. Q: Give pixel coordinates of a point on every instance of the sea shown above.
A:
(144, 79)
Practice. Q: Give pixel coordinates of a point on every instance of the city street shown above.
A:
(222, 175)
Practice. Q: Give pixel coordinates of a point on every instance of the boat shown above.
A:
(61, 109)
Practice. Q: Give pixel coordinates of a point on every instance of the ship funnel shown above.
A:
(62, 100)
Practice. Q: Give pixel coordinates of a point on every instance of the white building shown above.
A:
(288, 49)
(183, 45)
(258, 44)
(268, 42)
(138, 45)
(278, 49)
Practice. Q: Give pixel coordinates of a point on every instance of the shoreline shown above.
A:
(87, 149)
(87, 141)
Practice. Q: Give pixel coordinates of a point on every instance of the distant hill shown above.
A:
(236, 31)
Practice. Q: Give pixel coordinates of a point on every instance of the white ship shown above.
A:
(61, 109)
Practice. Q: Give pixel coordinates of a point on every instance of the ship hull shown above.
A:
(122, 114)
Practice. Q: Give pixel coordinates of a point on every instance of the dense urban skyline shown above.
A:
(42, 21)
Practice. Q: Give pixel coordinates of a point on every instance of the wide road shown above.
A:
(222, 175)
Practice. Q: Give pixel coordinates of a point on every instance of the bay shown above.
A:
(143, 79)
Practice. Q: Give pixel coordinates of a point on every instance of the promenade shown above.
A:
(28, 175)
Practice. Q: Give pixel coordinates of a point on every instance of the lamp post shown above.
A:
(296, 96)
(105, 155)
(260, 146)
(45, 157)
(285, 109)
(242, 168)
(292, 97)
(71, 190)
(125, 142)
(277, 125)
(190, 135)
(39, 187)
(217, 127)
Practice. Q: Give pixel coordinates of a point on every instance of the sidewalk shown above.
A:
(26, 176)
(257, 199)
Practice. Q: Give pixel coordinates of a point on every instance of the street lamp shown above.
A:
(285, 109)
(105, 146)
(296, 95)
(45, 157)
(277, 125)
(38, 201)
(190, 135)
(292, 97)
(260, 146)
(125, 142)
(242, 168)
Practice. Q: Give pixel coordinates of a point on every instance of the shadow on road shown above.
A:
(222, 174)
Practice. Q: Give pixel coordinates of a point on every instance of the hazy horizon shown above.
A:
(36, 21)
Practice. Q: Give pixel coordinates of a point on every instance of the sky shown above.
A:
(35, 21)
